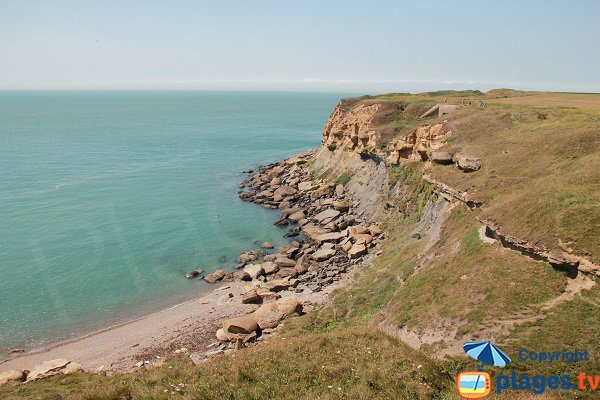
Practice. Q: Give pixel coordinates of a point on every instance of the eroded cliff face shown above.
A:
(363, 129)
(420, 144)
(353, 129)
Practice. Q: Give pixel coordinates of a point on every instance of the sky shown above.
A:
(333, 46)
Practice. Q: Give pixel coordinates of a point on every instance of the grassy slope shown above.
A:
(545, 188)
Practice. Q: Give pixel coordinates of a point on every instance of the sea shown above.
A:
(107, 198)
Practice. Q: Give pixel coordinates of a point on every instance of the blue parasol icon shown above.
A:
(487, 353)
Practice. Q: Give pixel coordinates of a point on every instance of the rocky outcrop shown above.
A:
(352, 129)
(570, 263)
(420, 144)
(13, 375)
(50, 368)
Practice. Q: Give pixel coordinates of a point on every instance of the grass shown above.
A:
(539, 179)
(336, 365)
(343, 178)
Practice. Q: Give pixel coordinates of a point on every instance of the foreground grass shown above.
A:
(338, 365)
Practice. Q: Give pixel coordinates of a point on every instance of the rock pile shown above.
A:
(46, 369)
(329, 238)
(333, 237)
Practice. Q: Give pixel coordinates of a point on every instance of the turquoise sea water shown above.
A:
(107, 198)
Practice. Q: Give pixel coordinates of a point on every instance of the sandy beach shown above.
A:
(118, 348)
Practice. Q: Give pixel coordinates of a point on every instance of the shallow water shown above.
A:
(107, 198)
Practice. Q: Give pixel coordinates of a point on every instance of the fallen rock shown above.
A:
(375, 230)
(269, 267)
(322, 191)
(13, 375)
(326, 216)
(467, 163)
(59, 366)
(305, 186)
(285, 262)
(193, 274)
(311, 231)
(357, 250)
(330, 237)
(254, 271)
(270, 315)
(342, 206)
(297, 216)
(247, 257)
(362, 237)
(275, 286)
(266, 245)
(358, 230)
(240, 276)
(223, 336)
(441, 157)
(323, 254)
(215, 276)
(240, 325)
(251, 296)
(339, 189)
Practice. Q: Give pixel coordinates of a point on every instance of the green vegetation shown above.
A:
(336, 365)
(343, 178)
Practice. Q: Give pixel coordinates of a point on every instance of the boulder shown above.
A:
(323, 254)
(251, 296)
(240, 325)
(269, 267)
(240, 276)
(254, 271)
(12, 375)
(297, 216)
(467, 163)
(247, 257)
(285, 262)
(326, 216)
(276, 285)
(330, 237)
(223, 336)
(283, 191)
(270, 257)
(266, 245)
(441, 157)
(59, 366)
(342, 206)
(286, 272)
(357, 250)
(286, 212)
(375, 230)
(320, 192)
(194, 273)
(311, 231)
(362, 238)
(301, 268)
(305, 186)
(270, 315)
(339, 189)
(215, 276)
(358, 230)
(346, 245)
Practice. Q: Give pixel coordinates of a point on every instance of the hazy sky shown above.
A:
(366, 46)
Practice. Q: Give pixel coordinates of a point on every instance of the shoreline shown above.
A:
(305, 272)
